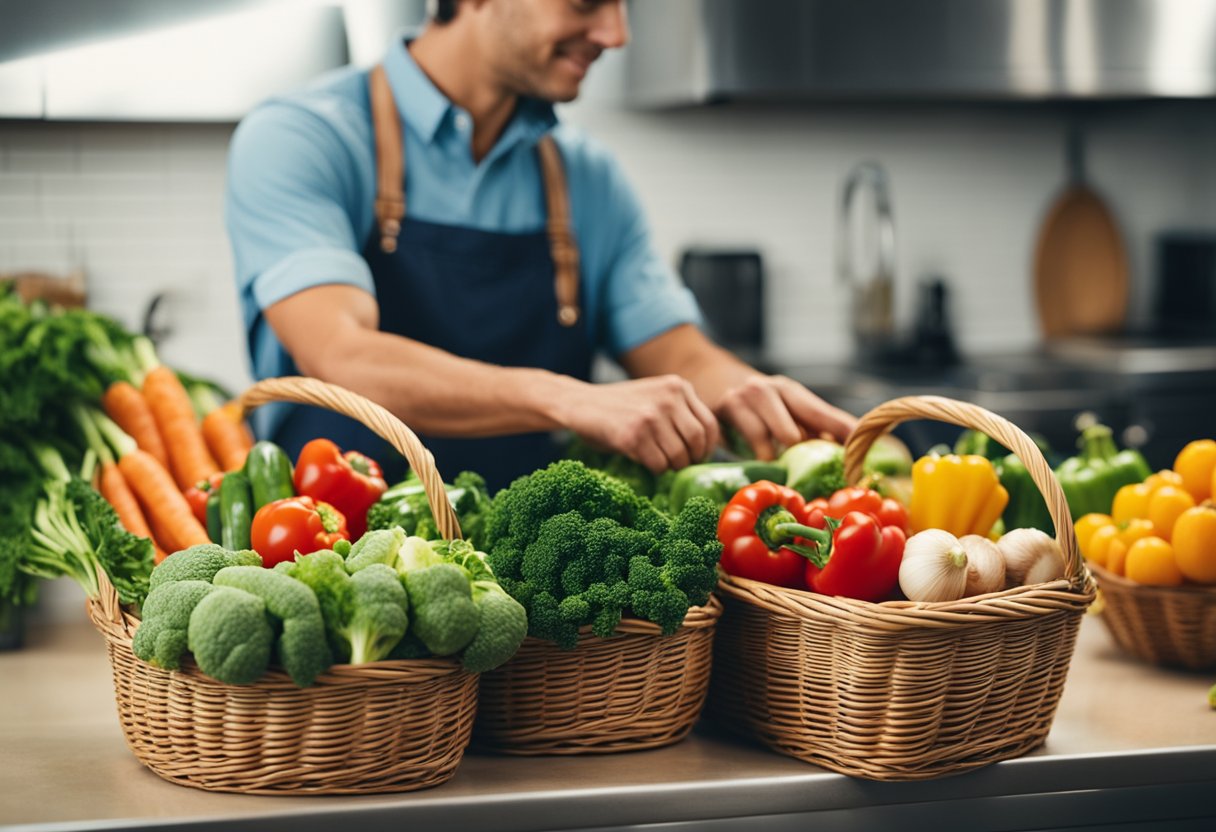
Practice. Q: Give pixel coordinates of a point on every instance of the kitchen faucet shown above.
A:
(872, 312)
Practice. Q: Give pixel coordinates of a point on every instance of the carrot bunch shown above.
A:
(153, 447)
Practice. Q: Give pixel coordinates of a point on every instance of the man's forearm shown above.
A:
(440, 394)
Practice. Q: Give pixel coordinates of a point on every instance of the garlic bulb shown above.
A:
(934, 567)
(1031, 557)
(985, 565)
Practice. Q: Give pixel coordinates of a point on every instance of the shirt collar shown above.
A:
(425, 109)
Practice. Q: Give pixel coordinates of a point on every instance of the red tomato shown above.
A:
(886, 511)
(295, 524)
(197, 494)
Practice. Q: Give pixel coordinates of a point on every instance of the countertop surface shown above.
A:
(1130, 743)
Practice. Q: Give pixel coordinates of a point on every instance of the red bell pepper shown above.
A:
(197, 494)
(886, 511)
(863, 561)
(295, 524)
(350, 482)
(765, 537)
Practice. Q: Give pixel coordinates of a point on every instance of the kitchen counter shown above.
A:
(1131, 745)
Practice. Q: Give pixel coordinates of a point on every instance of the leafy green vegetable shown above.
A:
(77, 533)
(405, 505)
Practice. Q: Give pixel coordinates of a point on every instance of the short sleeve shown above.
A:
(290, 206)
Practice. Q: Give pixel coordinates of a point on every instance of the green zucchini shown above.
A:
(270, 475)
(236, 511)
(215, 523)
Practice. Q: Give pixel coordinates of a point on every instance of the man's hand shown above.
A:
(657, 421)
(774, 410)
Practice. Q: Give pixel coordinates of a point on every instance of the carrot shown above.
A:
(166, 507)
(125, 405)
(227, 436)
(189, 459)
(114, 488)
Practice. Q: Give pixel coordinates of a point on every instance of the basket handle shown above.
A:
(886, 416)
(302, 390)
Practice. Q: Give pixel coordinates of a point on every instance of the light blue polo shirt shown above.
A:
(302, 183)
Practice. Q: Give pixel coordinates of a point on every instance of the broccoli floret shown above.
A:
(302, 647)
(230, 636)
(200, 563)
(325, 574)
(161, 637)
(443, 613)
(380, 546)
(501, 629)
(378, 616)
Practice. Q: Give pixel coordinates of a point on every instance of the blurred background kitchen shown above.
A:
(1008, 201)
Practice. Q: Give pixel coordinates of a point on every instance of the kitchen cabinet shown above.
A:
(1132, 745)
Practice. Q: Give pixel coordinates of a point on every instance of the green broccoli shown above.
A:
(441, 597)
(325, 574)
(230, 636)
(161, 637)
(503, 623)
(442, 612)
(200, 563)
(576, 547)
(378, 615)
(302, 647)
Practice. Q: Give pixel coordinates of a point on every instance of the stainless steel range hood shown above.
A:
(699, 51)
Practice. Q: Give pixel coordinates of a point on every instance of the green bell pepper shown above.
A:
(718, 481)
(1091, 478)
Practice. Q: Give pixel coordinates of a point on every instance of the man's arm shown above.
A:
(766, 409)
(331, 331)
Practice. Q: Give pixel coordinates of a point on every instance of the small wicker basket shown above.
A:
(636, 690)
(1166, 625)
(903, 690)
(389, 726)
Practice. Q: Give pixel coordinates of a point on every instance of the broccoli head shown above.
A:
(378, 615)
(200, 563)
(302, 646)
(502, 627)
(578, 548)
(230, 636)
(161, 637)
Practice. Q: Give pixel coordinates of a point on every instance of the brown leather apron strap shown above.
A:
(390, 195)
(561, 238)
(390, 160)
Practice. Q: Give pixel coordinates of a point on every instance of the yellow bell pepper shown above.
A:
(959, 494)
(1195, 543)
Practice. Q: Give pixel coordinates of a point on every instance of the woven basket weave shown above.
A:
(384, 727)
(1166, 625)
(636, 690)
(903, 690)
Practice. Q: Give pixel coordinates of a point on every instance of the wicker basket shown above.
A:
(1174, 626)
(382, 727)
(636, 690)
(903, 690)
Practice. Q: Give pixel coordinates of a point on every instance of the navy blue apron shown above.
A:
(506, 299)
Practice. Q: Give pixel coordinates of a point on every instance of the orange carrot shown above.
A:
(189, 459)
(227, 436)
(124, 404)
(113, 486)
(164, 505)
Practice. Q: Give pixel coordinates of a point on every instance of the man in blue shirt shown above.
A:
(428, 235)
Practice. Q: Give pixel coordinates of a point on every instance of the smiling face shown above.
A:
(543, 48)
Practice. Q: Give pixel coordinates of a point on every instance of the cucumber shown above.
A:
(215, 524)
(270, 475)
(236, 511)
